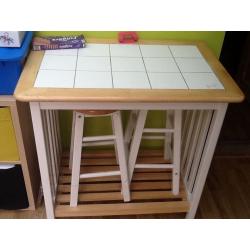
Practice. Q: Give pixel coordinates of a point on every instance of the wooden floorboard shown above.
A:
(226, 194)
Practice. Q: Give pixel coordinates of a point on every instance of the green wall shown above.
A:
(214, 40)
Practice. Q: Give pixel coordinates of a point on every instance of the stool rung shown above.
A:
(97, 143)
(158, 130)
(153, 137)
(167, 166)
(100, 174)
(98, 138)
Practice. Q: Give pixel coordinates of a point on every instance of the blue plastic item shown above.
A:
(11, 65)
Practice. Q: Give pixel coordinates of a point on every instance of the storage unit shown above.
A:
(17, 144)
(11, 64)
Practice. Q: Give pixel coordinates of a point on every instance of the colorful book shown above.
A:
(58, 42)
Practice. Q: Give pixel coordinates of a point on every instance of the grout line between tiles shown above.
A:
(57, 55)
(76, 68)
(200, 55)
(178, 68)
(87, 70)
(145, 67)
(93, 56)
(171, 55)
(198, 72)
(111, 70)
(58, 69)
(155, 72)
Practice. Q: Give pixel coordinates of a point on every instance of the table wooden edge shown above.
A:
(27, 93)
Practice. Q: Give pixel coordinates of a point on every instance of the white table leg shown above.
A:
(212, 137)
(42, 158)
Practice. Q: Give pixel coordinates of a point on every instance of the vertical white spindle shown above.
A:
(206, 119)
(76, 160)
(177, 151)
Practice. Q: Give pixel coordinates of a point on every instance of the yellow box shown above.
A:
(8, 144)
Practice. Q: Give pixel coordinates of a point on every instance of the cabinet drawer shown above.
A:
(8, 145)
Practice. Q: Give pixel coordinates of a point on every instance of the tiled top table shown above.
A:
(155, 71)
(154, 75)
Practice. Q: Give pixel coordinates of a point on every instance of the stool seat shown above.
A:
(96, 112)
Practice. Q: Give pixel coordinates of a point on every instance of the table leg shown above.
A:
(42, 158)
(209, 147)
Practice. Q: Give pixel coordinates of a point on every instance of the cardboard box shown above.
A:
(11, 38)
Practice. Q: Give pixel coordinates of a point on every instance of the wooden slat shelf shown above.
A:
(10, 162)
(150, 189)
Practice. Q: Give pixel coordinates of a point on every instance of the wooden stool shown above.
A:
(78, 141)
(171, 137)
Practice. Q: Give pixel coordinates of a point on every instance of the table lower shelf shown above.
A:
(150, 189)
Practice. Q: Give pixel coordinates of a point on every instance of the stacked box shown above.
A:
(11, 38)
(11, 65)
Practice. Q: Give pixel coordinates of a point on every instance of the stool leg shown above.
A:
(122, 160)
(130, 126)
(168, 154)
(136, 140)
(129, 130)
(76, 158)
(115, 146)
(177, 151)
(72, 140)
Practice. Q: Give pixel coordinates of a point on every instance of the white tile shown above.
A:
(87, 79)
(130, 80)
(127, 64)
(62, 52)
(202, 81)
(58, 62)
(193, 65)
(185, 51)
(55, 79)
(155, 51)
(92, 49)
(167, 81)
(94, 63)
(125, 50)
(161, 65)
